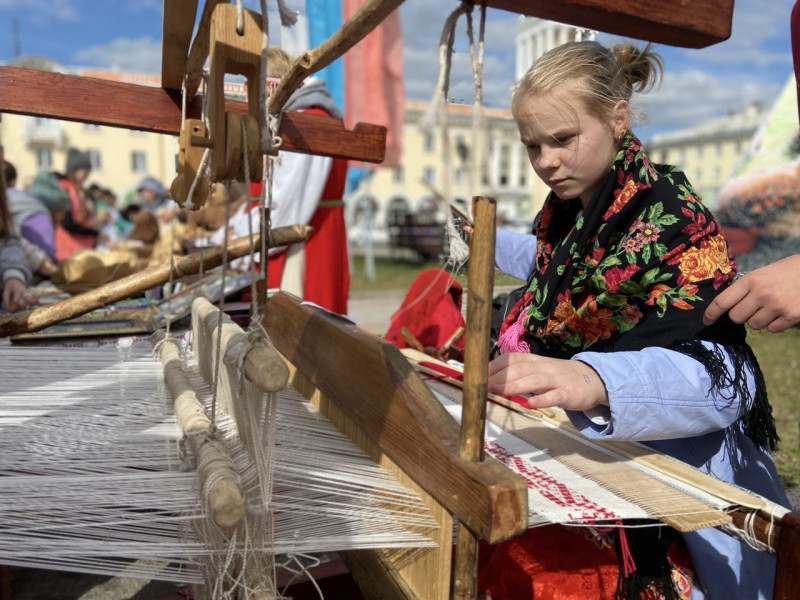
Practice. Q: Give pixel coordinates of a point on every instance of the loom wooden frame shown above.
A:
(394, 410)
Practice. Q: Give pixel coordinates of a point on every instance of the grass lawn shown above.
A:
(778, 355)
(398, 275)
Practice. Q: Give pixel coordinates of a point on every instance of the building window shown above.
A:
(699, 175)
(138, 162)
(91, 127)
(718, 149)
(44, 158)
(738, 146)
(94, 160)
(429, 142)
(429, 175)
(399, 176)
(699, 152)
(459, 176)
(716, 174)
(503, 179)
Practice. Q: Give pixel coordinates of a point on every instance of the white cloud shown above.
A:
(44, 11)
(142, 55)
(691, 97)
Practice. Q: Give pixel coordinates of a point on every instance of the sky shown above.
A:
(698, 85)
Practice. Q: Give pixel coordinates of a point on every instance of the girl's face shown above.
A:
(570, 149)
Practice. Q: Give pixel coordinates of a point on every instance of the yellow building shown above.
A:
(422, 182)
(709, 152)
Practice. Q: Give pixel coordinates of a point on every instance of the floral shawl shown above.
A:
(636, 268)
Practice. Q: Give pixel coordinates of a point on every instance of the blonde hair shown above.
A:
(602, 76)
(278, 62)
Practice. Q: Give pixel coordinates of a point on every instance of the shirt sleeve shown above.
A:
(658, 394)
(12, 262)
(514, 253)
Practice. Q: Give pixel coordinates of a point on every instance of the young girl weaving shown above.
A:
(625, 260)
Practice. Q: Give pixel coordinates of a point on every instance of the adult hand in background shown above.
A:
(16, 295)
(767, 297)
(570, 384)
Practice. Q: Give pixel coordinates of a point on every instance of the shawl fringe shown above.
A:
(756, 413)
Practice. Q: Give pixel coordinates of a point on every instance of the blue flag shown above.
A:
(324, 18)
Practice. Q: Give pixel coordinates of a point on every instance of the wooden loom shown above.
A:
(392, 413)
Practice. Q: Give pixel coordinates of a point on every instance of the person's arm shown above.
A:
(766, 297)
(34, 256)
(656, 394)
(514, 253)
(14, 275)
(69, 223)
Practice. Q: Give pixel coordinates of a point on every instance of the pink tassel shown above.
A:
(512, 340)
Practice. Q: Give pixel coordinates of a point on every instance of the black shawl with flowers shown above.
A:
(636, 269)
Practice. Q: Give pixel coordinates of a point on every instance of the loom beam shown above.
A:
(396, 409)
(694, 24)
(144, 108)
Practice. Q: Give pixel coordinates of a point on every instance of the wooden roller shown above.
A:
(225, 502)
(263, 365)
(127, 287)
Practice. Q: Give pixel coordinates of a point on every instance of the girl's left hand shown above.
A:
(16, 295)
(570, 384)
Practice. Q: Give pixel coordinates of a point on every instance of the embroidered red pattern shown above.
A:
(582, 509)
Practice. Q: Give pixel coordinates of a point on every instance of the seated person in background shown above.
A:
(152, 195)
(14, 273)
(78, 229)
(625, 260)
(30, 215)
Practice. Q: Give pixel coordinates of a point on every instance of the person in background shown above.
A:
(623, 262)
(151, 194)
(14, 273)
(78, 229)
(31, 217)
(766, 297)
(307, 190)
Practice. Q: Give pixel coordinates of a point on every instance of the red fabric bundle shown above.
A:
(431, 311)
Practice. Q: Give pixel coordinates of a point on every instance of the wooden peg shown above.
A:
(190, 157)
(231, 52)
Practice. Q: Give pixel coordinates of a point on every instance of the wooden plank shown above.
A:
(694, 24)
(117, 104)
(787, 573)
(177, 27)
(397, 410)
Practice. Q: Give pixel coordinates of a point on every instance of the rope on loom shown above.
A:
(748, 534)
